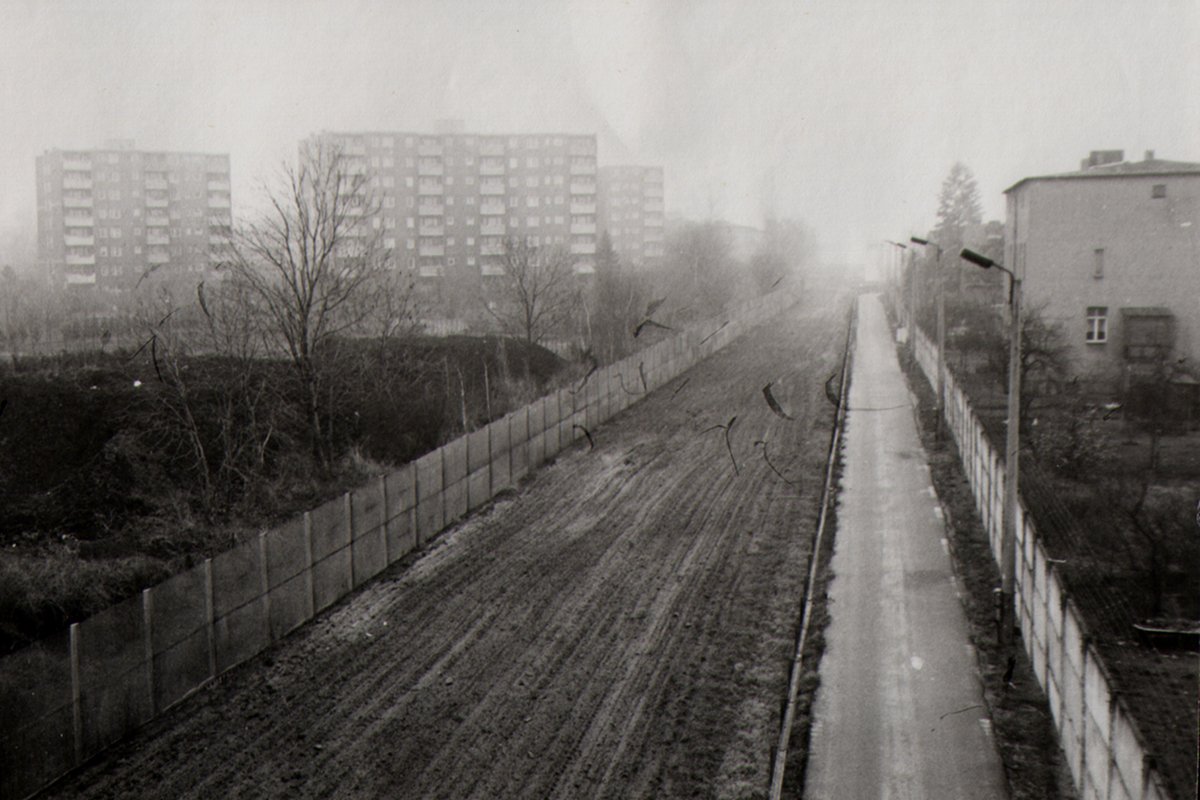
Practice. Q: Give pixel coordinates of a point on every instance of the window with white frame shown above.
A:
(1097, 324)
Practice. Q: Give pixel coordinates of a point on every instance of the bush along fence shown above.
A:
(1107, 756)
(68, 697)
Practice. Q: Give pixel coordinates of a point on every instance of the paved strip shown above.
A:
(900, 712)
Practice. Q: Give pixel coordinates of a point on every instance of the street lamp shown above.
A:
(1008, 545)
(941, 330)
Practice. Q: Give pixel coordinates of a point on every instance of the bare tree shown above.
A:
(315, 266)
(537, 294)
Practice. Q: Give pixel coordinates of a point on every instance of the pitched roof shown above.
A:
(1120, 169)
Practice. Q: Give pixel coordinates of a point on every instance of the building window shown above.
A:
(1097, 324)
(1158, 190)
(1098, 262)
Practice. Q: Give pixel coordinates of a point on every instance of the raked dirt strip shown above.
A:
(620, 627)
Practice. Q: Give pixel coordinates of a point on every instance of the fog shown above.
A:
(844, 114)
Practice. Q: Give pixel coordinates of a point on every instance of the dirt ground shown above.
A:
(619, 627)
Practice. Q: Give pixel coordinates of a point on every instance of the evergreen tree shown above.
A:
(958, 207)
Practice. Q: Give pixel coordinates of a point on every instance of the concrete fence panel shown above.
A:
(1128, 766)
(456, 471)
(112, 679)
(180, 617)
(289, 576)
(400, 492)
(500, 447)
(478, 470)
(333, 564)
(518, 435)
(240, 591)
(368, 534)
(430, 513)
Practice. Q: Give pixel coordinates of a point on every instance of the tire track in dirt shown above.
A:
(619, 628)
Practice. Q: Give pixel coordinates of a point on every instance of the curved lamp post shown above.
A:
(1008, 544)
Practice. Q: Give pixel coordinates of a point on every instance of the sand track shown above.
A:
(621, 627)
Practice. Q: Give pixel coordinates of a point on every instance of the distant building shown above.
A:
(631, 212)
(116, 219)
(1111, 252)
(450, 199)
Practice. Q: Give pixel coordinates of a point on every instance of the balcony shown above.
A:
(583, 208)
(217, 186)
(429, 167)
(653, 222)
(491, 270)
(491, 167)
(429, 148)
(585, 268)
(81, 279)
(77, 182)
(491, 208)
(431, 210)
(493, 227)
(77, 164)
(76, 260)
(158, 239)
(157, 221)
(432, 250)
(79, 222)
(583, 227)
(583, 188)
(653, 206)
(157, 258)
(430, 271)
(491, 249)
(491, 189)
(653, 190)
(156, 184)
(432, 230)
(157, 202)
(491, 148)
(583, 169)
(79, 241)
(77, 202)
(583, 248)
(214, 241)
(654, 236)
(431, 189)
(218, 201)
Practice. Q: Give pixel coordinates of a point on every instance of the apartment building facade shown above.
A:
(117, 220)
(449, 200)
(631, 212)
(1111, 253)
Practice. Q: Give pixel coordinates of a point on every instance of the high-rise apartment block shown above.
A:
(115, 219)
(631, 212)
(449, 200)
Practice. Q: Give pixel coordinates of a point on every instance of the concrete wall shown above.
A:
(68, 697)
(1105, 752)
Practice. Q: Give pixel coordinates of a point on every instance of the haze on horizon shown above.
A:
(846, 115)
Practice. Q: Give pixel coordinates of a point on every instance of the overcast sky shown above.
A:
(844, 113)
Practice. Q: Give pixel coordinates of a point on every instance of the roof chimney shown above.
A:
(1149, 155)
(1099, 158)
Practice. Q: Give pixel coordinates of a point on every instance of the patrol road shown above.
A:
(620, 627)
(899, 713)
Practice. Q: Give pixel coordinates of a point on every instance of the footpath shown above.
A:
(899, 712)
